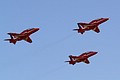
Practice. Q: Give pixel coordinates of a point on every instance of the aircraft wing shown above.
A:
(86, 61)
(96, 29)
(28, 39)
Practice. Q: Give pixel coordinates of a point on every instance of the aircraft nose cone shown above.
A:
(92, 53)
(95, 53)
(37, 29)
(106, 19)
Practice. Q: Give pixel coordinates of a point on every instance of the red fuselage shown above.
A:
(93, 25)
(22, 36)
(26, 33)
(81, 58)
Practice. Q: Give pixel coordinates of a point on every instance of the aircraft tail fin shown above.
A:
(80, 30)
(11, 40)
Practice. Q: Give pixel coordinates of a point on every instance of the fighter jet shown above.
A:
(22, 36)
(93, 25)
(81, 58)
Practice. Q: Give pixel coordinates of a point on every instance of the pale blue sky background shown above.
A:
(44, 58)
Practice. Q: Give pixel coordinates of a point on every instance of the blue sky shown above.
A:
(55, 41)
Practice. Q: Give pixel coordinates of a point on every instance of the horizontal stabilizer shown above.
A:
(79, 30)
(71, 62)
(11, 40)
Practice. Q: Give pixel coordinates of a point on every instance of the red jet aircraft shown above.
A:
(93, 25)
(81, 58)
(22, 36)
